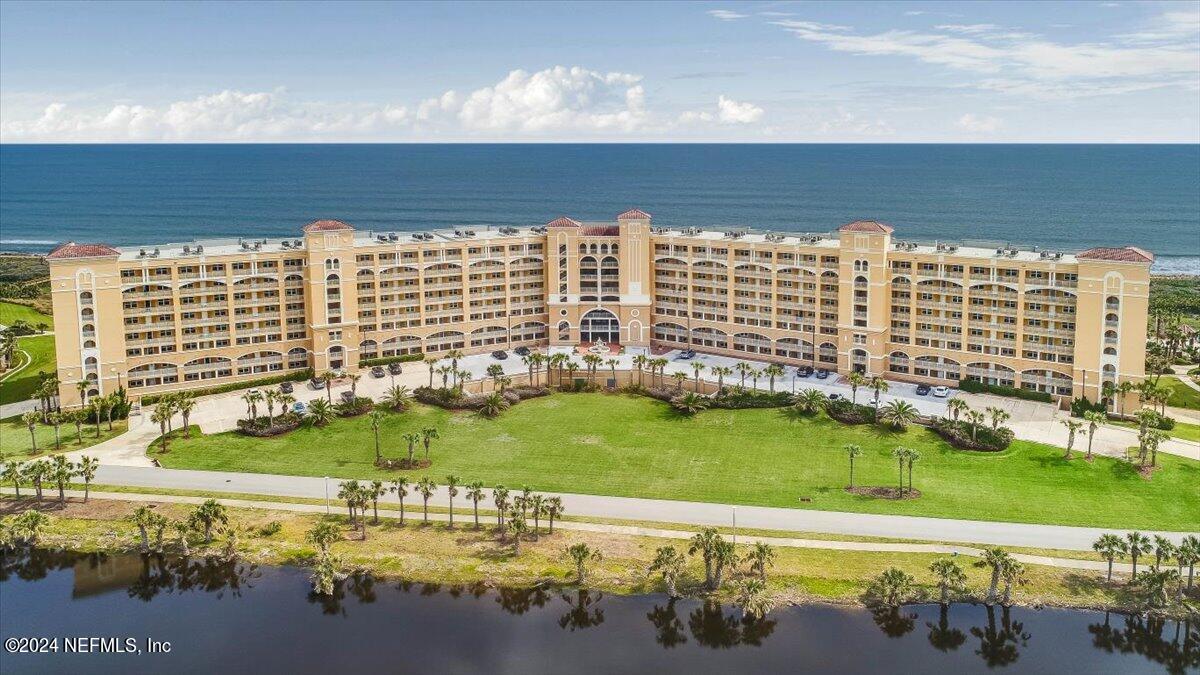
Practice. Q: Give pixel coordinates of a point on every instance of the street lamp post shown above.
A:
(735, 526)
(326, 495)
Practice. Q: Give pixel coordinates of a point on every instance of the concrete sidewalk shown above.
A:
(658, 510)
(786, 542)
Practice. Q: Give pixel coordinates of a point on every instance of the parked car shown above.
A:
(252, 391)
(316, 383)
(687, 354)
(805, 371)
(874, 401)
(941, 392)
(347, 396)
(394, 368)
(835, 397)
(499, 355)
(922, 389)
(822, 374)
(522, 351)
(286, 388)
(377, 371)
(299, 408)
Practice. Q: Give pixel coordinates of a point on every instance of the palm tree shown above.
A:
(1094, 420)
(996, 558)
(208, 514)
(348, 492)
(426, 488)
(412, 438)
(901, 455)
(1187, 556)
(999, 416)
(397, 398)
(554, 509)
(855, 380)
(697, 368)
(670, 563)
(13, 473)
(322, 535)
(1155, 583)
(956, 406)
(377, 416)
(454, 355)
(452, 483)
(1163, 549)
(500, 499)
(711, 546)
(375, 491)
(661, 364)
(721, 372)
(689, 403)
(1123, 390)
(754, 375)
(56, 420)
(31, 419)
(328, 377)
(320, 411)
(78, 417)
(400, 487)
(61, 472)
(537, 507)
(852, 451)
(612, 368)
(893, 587)
(1073, 428)
(639, 362)
(880, 386)
(36, 472)
(82, 387)
(898, 413)
(810, 401)
(493, 405)
(975, 418)
(913, 457)
(271, 397)
(761, 557)
(773, 371)
(427, 436)
(354, 378)
(582, 554)
(1012, 573)
(754, 600)
(950, 577)
(743, 369)
(431, 362)
(495, 371)
(1110, 547)
(186, 403)
(1138, 544)
(475, 494)
(160, 415)
(517, 528)
(679, 377)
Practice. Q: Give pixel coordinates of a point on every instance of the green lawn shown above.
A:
(15, 442)
(633, 446)
(21, 385)
(10, 313)
(1188, 432)
(1182, 396)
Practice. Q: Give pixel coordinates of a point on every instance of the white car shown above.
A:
(941, 392)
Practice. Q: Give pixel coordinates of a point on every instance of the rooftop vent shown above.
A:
(187, 250)
(155, 254)
(392, 236)
(381, 237)
(285, 243)
(142, 253)
(296, 243)
(199, 248)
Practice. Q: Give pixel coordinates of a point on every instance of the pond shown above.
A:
(235, 616)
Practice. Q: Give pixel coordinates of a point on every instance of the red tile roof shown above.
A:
(866, 226)
(326, 226)
(634, 214)
(1125, 254)
(600, 230)
(73, 250)
(563, 221)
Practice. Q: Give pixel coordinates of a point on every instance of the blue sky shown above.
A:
(754, 72)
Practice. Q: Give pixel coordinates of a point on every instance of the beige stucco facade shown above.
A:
(194, 315)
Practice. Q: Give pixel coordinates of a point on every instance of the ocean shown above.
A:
(1053, 196)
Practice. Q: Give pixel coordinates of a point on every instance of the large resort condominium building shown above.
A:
(184, 316)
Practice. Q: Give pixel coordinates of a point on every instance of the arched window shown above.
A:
(564, 330)
(599, 324)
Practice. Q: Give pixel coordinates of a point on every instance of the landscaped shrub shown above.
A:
(279, 425)
(452, 399)
(359, 406)
(119, 411)
(384, 360)
(958, 434)
(847, 412)
(297, 376)
(737, 397)
(1000, 390)
(1083, 405)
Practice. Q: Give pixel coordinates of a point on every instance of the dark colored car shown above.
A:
(377, 371)
(835, 397)
(804, 371)
(347, 396)
(500, 354)
(521, 351)
(286, 388)
(687, 354)
(316, 383)
(922, 390)
(394, 368)
(822, 374)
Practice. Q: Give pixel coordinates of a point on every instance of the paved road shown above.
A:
(658, 510)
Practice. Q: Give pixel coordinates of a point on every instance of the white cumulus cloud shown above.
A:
(555, 99)
(979, 124)
(727, 111)
(725, 14)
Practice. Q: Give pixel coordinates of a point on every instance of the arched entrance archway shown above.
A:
(600, 324)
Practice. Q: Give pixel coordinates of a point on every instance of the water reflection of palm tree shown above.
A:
(582, 614)
(362, 587)
(521, 600)
(755, 630)
(942, 636)
(1144, 636)
(711, 627)
(668, 628)
(999, 645)
(894, 621)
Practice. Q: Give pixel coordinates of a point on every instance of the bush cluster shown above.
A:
(453, 399)
(1083, 405)
(847, 412)
(260, 429)
(1000, 390)
(958, 434)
